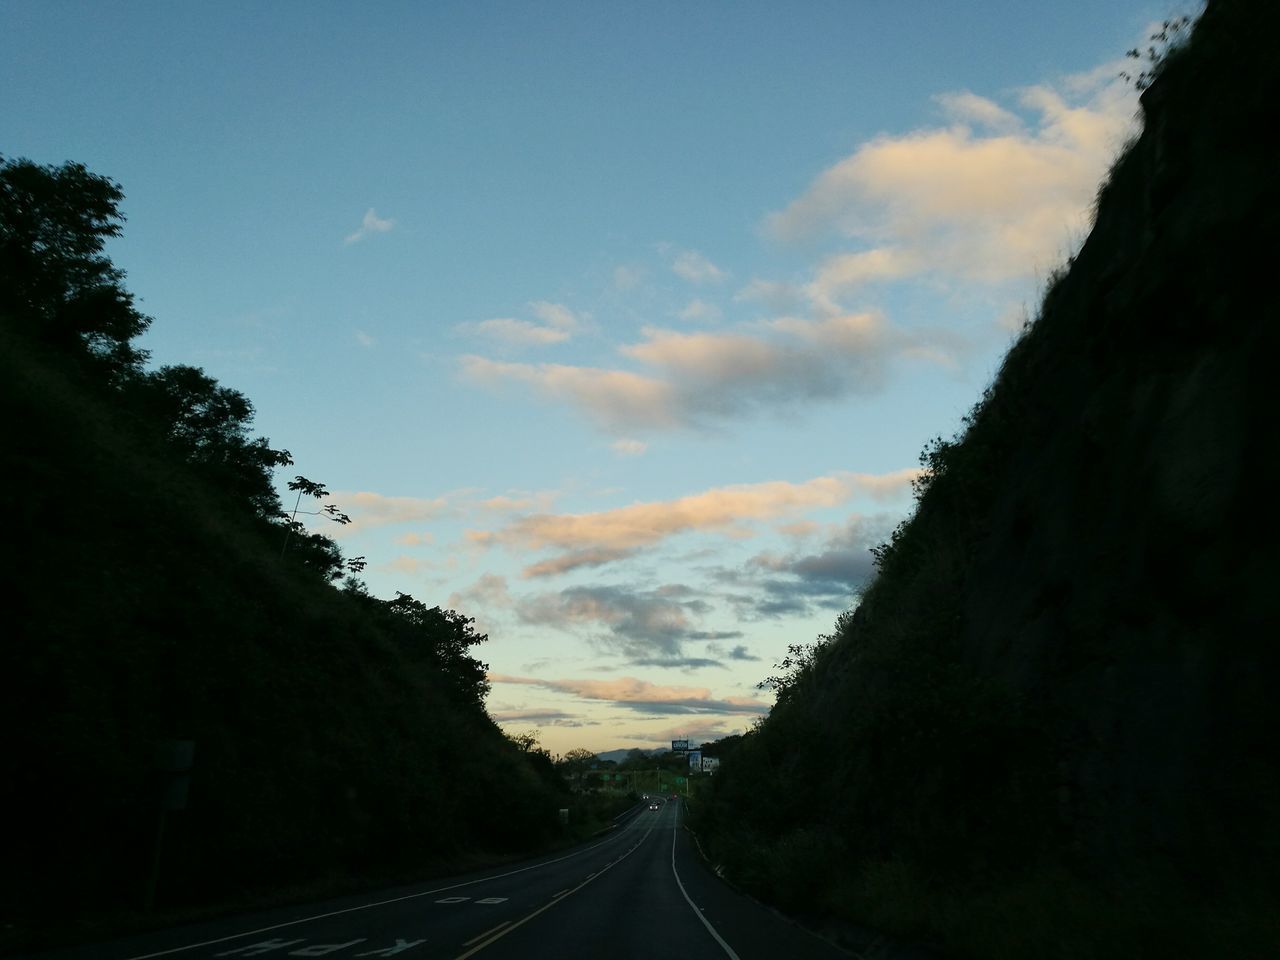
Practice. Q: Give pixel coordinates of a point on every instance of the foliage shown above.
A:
(56, 285)
(1171, 35)
(1040, 732)
(153, 599)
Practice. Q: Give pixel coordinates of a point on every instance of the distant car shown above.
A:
(675, 796)
(653, 806)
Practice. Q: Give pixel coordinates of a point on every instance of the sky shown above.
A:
(617, 327)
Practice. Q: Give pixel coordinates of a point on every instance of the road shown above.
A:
(638, 892)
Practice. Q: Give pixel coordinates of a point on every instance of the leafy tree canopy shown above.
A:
(56, 284)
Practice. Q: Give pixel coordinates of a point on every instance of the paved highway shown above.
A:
(639, 892)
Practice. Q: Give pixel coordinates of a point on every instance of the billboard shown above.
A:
(679, 746)
(695, 760)
(709, 764)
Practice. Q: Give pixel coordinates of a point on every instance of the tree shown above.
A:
(56, 285)
(441, 639)
(207, 425)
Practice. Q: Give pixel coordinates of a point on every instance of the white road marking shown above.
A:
(322, 949)
(400, 947)
(266, 946)
(696, 912)
(365, 906)
(564, 894)
(493, 900)
(454, 900)
(486, 933)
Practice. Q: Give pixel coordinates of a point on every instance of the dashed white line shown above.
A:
(376, 903)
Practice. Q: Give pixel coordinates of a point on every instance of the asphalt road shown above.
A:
(638, 892)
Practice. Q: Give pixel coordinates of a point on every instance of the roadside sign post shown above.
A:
(173, 762)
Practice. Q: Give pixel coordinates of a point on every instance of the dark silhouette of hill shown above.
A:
(156, 591)
(1048, 729)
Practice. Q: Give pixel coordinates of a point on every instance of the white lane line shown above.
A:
(486, 933)
(558, 898)
(693, 906)
(366, 906)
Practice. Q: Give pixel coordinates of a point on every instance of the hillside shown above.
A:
(155, 593)
(1046, 731)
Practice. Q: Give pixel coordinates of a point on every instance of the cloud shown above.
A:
(695, 731)
(368, 510)
(640, 695)
(645, 627)
(364, 339)
(574, 560)
(629, 448)
(411, 566)
(722, 510)
(698, 378)
(559, 324)
(416, 539)
(775, 585)
(849, 271)
(987, 204)
(964, 105)
(741, 653)
(371, 224)
(626, 277)
(694, 267)
(699, 311)
(513, 332)
(551, 717)
(777, 297)
(614, 399)
(488, 593)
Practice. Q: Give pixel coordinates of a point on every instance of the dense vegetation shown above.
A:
(1047, 730)
(158, 590)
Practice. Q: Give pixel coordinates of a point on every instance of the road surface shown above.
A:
(638, 892)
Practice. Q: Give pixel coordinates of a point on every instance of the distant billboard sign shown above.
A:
(679, 746)
(709, 764)
(695, 760)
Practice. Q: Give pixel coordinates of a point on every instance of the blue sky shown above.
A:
(617, 327)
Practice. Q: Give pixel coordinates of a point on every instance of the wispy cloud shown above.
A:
(699, 311)
(557, 324)
(694, 267)
(626, 447)
(371, 224)
(699, 378)
(593, 539)
(643, 696)
(368, 510)
(614, 399)
(487, 594)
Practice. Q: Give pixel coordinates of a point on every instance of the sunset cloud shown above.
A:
(614, 399)
(368, 510)
(697, 378)
(642, 695)
(593, 539)
(990, 197)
